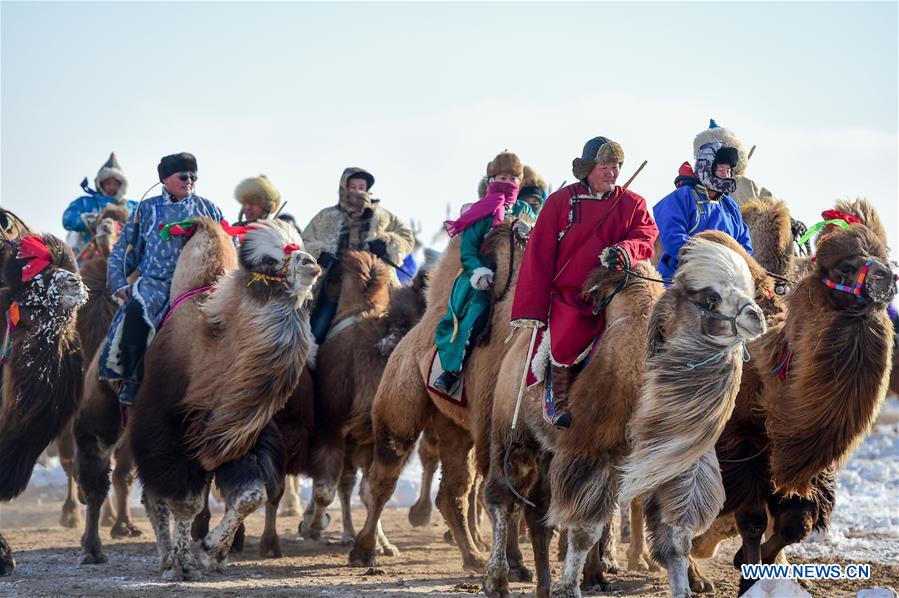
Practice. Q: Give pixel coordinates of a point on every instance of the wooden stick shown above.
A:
(751, 151)
(524, 377)
(631, 180)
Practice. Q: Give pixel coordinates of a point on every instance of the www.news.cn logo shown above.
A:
(806, 571)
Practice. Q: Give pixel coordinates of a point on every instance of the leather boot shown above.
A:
(562, 379)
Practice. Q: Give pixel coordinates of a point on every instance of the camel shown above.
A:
(42, 367)
(520, 459)
(93, 321)
(198, 415)
(372, 317)
(403, 406)
(798, 415)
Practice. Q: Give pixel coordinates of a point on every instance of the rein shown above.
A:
(501, 296)
(182, 298)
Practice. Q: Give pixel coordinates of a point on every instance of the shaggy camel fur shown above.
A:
(372, 317)
(534, 445)
(196, 413)
(403, 406)
(770, 228)
(42, 369)
(101, 429)
(93, 321)
(821, 375)
(697, 338)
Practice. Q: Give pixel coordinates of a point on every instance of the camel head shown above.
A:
(41, 277)
(718, 283)
(853, 264)
(107, 228)
(271, 253)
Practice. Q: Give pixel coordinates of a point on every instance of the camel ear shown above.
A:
(658, 325)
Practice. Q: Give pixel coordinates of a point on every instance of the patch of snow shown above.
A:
(776, 588)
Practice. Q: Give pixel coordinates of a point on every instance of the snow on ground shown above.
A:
(864, 529)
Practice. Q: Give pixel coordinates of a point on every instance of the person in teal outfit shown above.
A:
(469, 303)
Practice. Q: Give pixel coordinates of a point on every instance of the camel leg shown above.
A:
(107, 512)
(65, 446)
(159, 516)
(269, 542)
(496, 580)
(290, 504)
(670, 545)
(330, 458)
(475, 511)
(398, 420)
(7, 560)
(123, 481)
(420, 512)
(200, 526)
(92, 467)
(184, 565)
(452, 496)
(580, 541)
(638, 558)
(345, 493)
(704, 547)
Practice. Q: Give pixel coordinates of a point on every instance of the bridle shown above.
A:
(854, 290)
(713, 315)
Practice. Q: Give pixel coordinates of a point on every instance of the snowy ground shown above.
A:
(864, 529)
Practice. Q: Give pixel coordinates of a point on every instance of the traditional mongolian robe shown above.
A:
(141, 247)
(689, 210)
(572, 230)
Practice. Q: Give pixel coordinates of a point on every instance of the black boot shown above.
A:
(446, 382)
(132, 372)
(561, 384)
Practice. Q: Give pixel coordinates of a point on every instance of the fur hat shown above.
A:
(174, 163)
(482, 187)
(258, 191)
(112, 170)
(532, 184)
(598, 150)
(504, 163)
(727, 138)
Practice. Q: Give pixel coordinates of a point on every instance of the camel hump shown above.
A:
(365, 283)
(204, 259)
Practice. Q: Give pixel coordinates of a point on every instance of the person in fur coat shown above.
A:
(111, 186)
(150, 243)
(746, 188)
(581, 226)
(701, 201)
(357, 222)
(469, 303)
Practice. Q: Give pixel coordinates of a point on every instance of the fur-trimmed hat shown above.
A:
(169, 165)
(258, 191)
(504, 163)
(598, 150)
(727, 139)
(532, 184)
(112, 170)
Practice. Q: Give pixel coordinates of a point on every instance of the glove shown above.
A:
(88, 218)
(615, 258)
(482, 279)
(326, 258)
(377, 247)
(522, 228)
(525, 323)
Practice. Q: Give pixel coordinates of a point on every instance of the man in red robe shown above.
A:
(581, 226)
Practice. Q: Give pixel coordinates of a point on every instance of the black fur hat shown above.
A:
(173, 163)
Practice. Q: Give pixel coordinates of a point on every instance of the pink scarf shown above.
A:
(500, 197)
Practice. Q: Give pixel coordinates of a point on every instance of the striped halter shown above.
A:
(856, 289)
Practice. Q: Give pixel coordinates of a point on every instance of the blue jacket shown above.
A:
(142, 248)
(687, 211)
(88, 204)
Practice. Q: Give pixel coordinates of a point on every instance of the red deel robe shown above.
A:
(563, 249)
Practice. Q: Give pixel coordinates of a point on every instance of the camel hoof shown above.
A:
(448, 538)
(348, 539)
(70, 518)
(92, 557)
(520, 573)
(187, 573)
(313, 532)
(361, 558)
(420, 514)
(388, 550)
(474, 564)
(636, 564)
(611, 566)
(702, 586)
(496, 582)
(270, 547)
(597, 586)
(125, 530)
(562, 589)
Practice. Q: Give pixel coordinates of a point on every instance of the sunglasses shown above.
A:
(183, 176)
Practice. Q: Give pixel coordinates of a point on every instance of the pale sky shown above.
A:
(425, 94)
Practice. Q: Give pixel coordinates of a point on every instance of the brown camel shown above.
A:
(403, 405)
(372, 317)
(799, 416)
(520, 459)
(42, 369)
(93, 321)
(198, 414)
